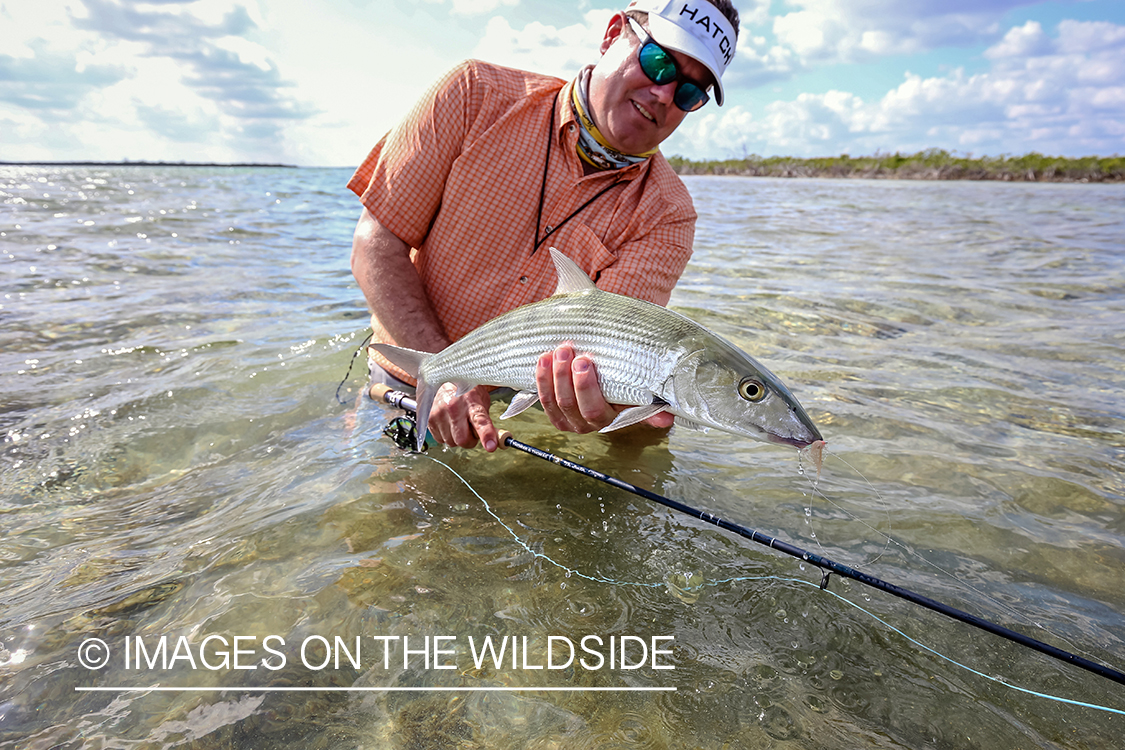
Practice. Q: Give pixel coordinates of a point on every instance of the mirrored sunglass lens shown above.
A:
(690, 97)
(657, 64)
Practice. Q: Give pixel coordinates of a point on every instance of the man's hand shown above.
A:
(571, 396)
(568, 389)
(462, 420)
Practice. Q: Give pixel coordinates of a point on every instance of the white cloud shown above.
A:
(752, 14)
(809, 125)
(1060, 94)
(853, 30)
(758, 61)
(1020, 41)
(135, 80)
(247, 52)
(544, 49)
(1090, 36)
(476, 7)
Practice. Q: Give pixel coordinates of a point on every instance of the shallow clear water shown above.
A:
(175, 464)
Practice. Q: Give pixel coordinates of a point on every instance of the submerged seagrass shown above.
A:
(646, 356)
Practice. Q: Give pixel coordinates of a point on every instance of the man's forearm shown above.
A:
(390, 283)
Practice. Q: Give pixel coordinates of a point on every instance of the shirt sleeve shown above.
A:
(402, 180)
(649, 267)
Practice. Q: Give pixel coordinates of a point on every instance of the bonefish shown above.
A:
(646, 356)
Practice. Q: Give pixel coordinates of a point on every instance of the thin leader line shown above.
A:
(741, 579)
(889, 540)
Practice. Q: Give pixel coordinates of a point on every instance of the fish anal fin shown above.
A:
(688, 424)
(521, 402)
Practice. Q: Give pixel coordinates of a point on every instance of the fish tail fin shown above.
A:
(424, 401)
(408, 359)
(411, 362)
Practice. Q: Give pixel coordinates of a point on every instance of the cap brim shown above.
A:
(671, 35)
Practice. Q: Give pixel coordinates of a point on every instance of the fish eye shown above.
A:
(752, 390)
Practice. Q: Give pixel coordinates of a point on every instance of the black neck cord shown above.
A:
(543, 190)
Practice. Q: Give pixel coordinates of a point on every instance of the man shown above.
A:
(493, 166)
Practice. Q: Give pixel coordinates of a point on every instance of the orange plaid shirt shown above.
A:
(459, 180)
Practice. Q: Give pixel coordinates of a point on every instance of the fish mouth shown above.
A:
(803, 441)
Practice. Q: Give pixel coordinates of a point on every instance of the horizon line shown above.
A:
(342, 689)
(146, 163)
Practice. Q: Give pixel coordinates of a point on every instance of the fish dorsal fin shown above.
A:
(572, 279)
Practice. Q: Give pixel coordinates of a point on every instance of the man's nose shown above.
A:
(664, 93)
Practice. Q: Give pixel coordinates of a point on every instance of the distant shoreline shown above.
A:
(932, 164)
(141, 164)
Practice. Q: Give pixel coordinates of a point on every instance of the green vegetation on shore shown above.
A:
(931, 164)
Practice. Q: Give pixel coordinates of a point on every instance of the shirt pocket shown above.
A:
(582, 245)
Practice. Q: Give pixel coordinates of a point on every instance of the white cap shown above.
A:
(694, 27)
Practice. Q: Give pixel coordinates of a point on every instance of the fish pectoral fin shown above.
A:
(521, 402)
(633, 415)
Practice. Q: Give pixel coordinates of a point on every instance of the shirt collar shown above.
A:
(567, 132)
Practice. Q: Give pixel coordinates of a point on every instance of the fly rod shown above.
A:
(398, 399)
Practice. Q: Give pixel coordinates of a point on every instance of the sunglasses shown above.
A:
(660, 67)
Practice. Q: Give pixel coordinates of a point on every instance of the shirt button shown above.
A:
(523, 279)
(571, 127)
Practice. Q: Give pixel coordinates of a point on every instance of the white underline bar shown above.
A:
(430, 689)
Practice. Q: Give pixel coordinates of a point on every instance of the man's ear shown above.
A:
(613, 31)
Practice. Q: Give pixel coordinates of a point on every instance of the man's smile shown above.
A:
(644, 112)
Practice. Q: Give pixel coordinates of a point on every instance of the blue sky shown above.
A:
(317, 84)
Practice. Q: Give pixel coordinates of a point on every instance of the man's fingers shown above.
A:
(592, 405)
(571, 395)
(446, 413)
(459, 420)
(545, 382)
(563, 380)
(480, 421)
